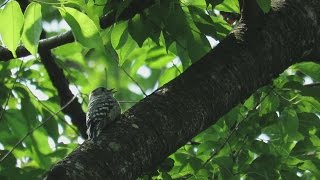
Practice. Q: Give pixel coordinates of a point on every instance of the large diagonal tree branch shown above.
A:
(164, 121)
(135, 7)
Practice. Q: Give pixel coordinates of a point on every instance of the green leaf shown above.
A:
(290, 122)
(264, 167)
(181, 158)
(32, 27)
(126, 50)
(32, 173)
(136, 28)
(315, 140)
(251, 102)
(168, 75)
(119, 35)
(83, 28)
(207, 147)
(202, 20)
(12, 23)
(176, 24)
(157, 57)
(222, 28)
(214, 2)
(121, 7)
(225, 166)
(290, 81)
(302, 147)
(9, 161)
(313, 104)
(265, 5)
(307, 122)
(292, 175)
(41, 139)
(269, 103)
(195, 163)
(228, 6)
(58, 154)
(38, 159)
(68, 50)
(202, 174)
(16, 121)
(310, 166)
(11, 173)
(260, 147)
(166, 176)
(197, 46)
(309, 68)
(51, 126)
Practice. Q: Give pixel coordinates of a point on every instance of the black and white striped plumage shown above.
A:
(103, 109)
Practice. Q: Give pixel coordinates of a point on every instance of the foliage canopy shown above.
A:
(274, 134)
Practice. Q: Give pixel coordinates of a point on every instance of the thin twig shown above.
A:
(117, 60)
(4, 4)
(144, 93)
(33, 129)
(176, 67)
(241, 147)
(233, 131)
(51, 112)
(9, 93)
(286, 99)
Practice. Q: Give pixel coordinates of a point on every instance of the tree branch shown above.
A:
(61, 83)
(167, 119)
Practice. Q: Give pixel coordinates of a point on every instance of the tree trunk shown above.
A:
(254, 53)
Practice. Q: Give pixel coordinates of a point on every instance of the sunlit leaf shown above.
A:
(310, 166)
(168, 75)
(207, 147)
(17, 123)
(270, 103)
(32, 27)
(83, 28)
(12, 22)
(118, 35)
(309, 68)
(228, 6)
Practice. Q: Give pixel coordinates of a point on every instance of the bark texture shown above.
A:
(250, 57)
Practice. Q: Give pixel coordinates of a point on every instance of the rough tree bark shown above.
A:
(260, 48)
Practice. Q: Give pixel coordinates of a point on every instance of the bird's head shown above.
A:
(102, 90)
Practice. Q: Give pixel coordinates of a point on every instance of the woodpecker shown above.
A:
(103, 109)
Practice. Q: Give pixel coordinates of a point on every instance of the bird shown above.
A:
(103, 109)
